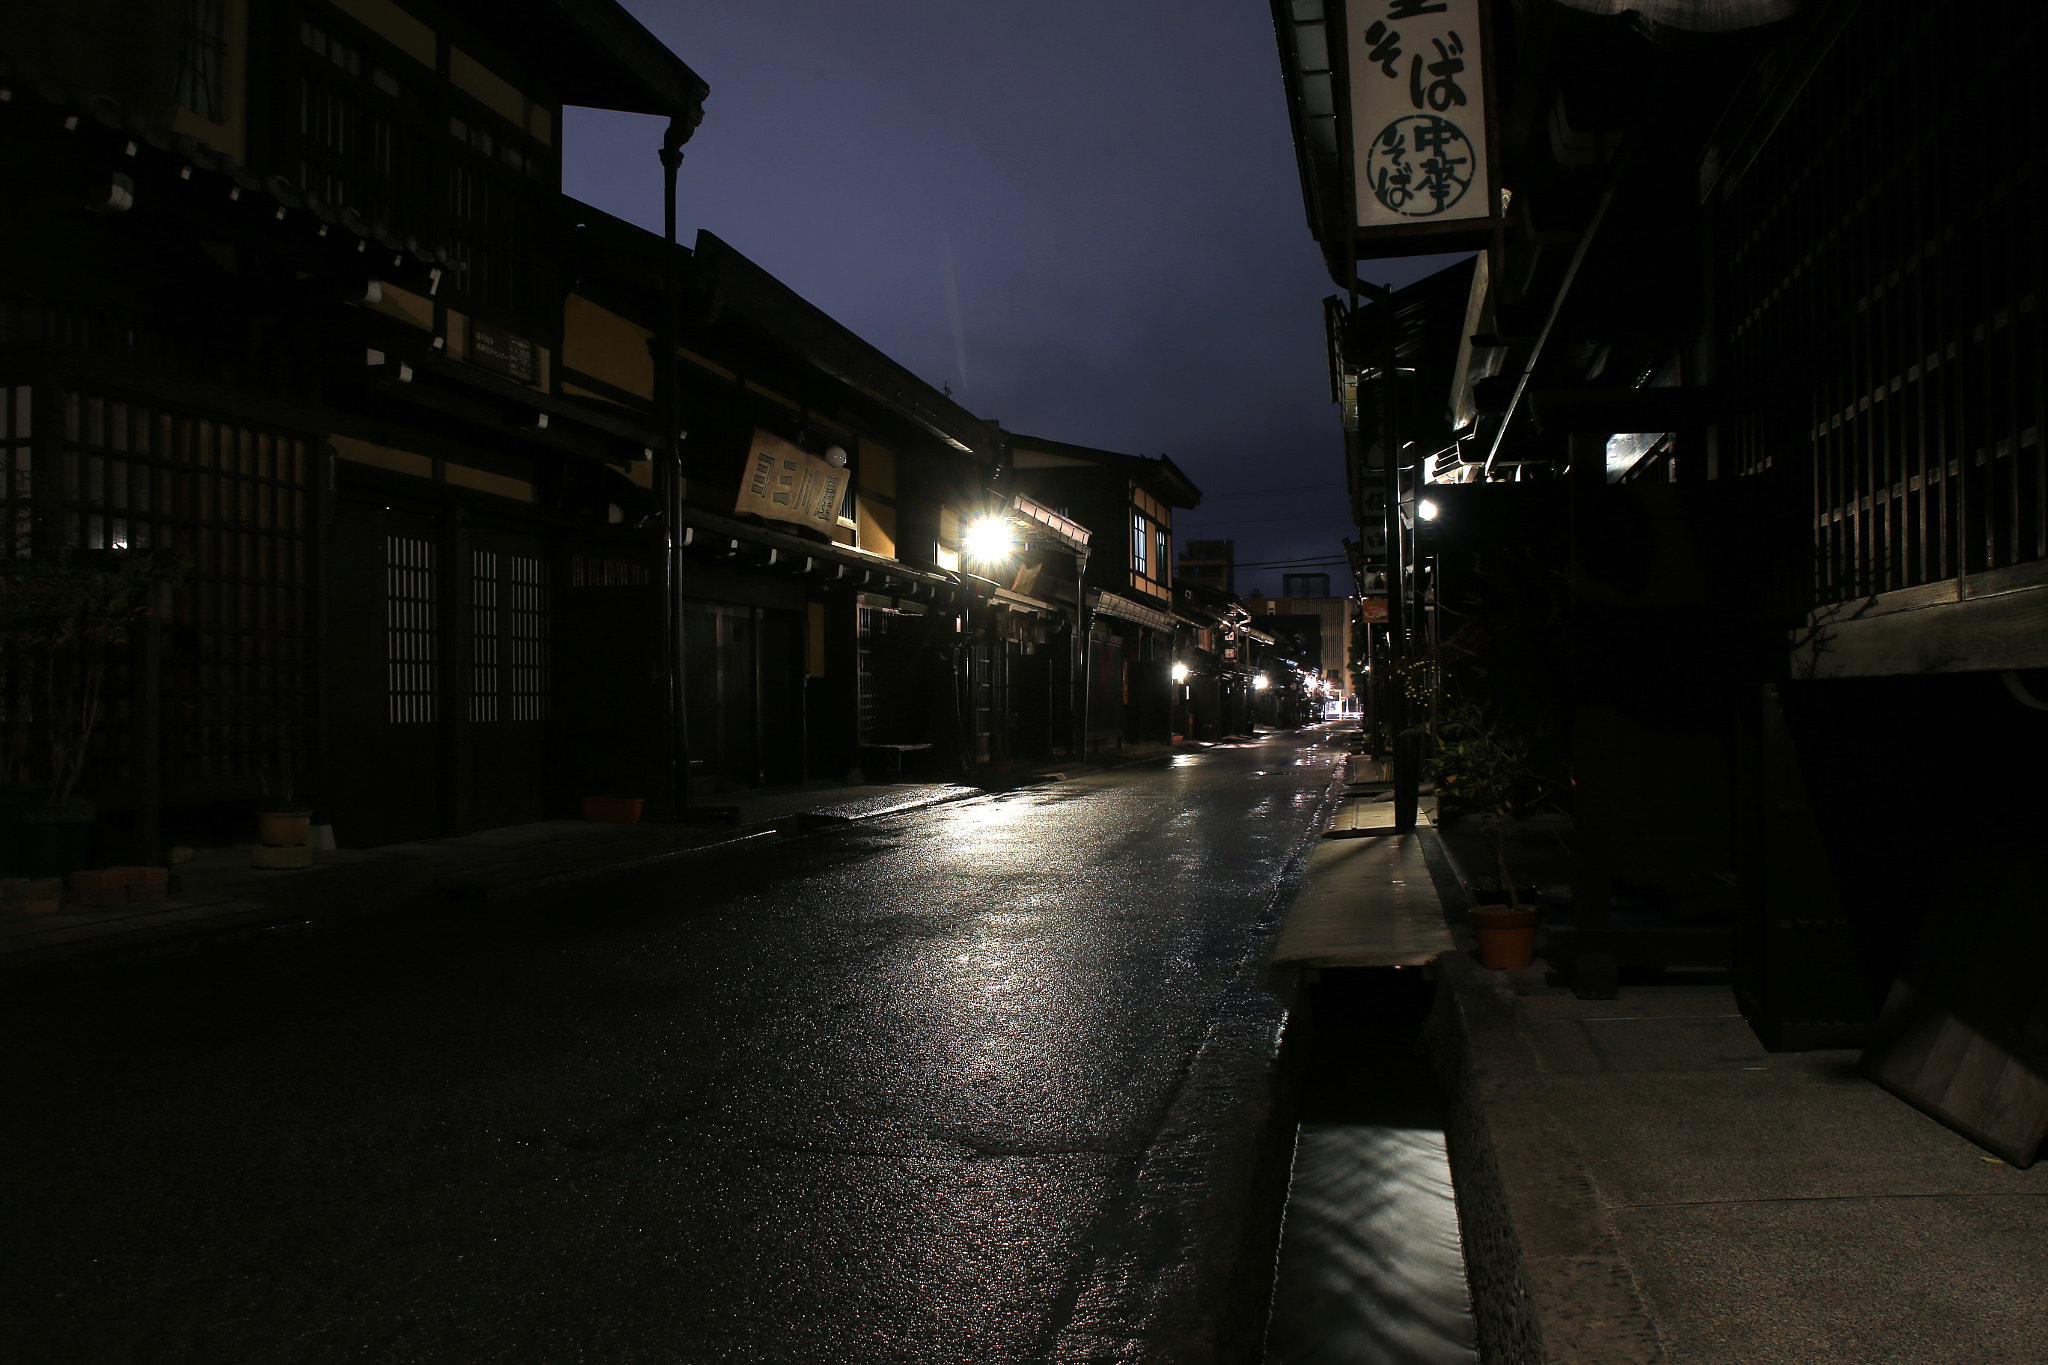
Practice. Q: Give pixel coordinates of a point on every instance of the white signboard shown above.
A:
(1418, 112)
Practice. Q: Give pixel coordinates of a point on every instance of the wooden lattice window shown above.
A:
(1880, 286)
(17, 517)
(602, 571)
(873, 622)
(202, 59)
(483, 610)
(528, 638)
(362, 128)
(409, 606)
(86, 472)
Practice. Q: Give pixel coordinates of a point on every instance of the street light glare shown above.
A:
(1426, 510)
(1180, 673)
(1261, 682)
(988, 540)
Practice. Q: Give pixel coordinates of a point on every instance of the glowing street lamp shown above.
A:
(1261, 682)
(1180, 673)
(988, 540)
(1426, 510)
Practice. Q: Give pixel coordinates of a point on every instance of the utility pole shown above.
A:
(672, 480)
(1407, 747)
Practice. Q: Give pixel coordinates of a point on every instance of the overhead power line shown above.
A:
(1195, 524)
(1261, 492)
(1291, 563)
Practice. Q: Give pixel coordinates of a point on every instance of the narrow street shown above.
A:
(899, 1093)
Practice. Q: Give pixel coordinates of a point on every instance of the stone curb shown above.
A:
(1549, 1282)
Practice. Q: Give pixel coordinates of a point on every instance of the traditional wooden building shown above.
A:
(1765, 382)
(832, 619)
(1127, 502)
(491, 501)
(1220, 649)
(282, 292)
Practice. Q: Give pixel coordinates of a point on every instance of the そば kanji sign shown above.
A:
(1418, 112)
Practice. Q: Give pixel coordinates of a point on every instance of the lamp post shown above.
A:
(672, 480)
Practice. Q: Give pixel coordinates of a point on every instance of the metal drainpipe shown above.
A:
(1086, 636)
(1407, 748)
(672, 500)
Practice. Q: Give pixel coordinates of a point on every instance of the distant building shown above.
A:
(1305, 585)
(1334, 616)
(1211, 563)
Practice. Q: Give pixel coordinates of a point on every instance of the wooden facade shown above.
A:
(293, 294)
(1746, 367)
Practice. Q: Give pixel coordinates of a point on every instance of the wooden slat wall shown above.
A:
(1881, 283)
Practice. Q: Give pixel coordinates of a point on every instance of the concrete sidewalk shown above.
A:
(220, 893)
(1640, 1183)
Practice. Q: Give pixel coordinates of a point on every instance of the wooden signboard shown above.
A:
(785, 482)
(1419, 113)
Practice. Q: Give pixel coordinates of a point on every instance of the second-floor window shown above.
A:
(377, 134)
(494, 174)
(1162, 561)
(362, 134)
(202, 58)
(1141, 544)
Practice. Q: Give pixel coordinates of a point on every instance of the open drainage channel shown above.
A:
(1371, 1267)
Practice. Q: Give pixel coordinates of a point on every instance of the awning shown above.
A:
(1017, 601)
(708, 533)
(1109, 604)
(1066, 530)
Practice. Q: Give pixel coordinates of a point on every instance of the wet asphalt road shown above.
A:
(963, 1085)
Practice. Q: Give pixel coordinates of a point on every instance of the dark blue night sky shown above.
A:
(1084, 218)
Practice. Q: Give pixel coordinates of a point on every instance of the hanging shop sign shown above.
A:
(1419, 115)
(784, 482)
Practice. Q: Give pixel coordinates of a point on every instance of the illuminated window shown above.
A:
(1140, 543)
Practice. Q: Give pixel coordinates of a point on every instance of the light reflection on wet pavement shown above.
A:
(856, 1097)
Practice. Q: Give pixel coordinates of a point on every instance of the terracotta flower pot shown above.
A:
(99, 887)
(282, 858)
(146, 883)
(613, 810)
(1507, 938)
(284, 829)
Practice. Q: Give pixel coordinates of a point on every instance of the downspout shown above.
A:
(672, 471)
(1085, 640)
(1407, 747)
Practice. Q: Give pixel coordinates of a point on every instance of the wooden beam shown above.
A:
(1945, 628)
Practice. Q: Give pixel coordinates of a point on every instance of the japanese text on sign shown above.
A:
(784, 482)
(1418, 112)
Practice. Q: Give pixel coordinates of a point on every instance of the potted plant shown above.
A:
(1483, 765)
(61, 620)
(283, 820)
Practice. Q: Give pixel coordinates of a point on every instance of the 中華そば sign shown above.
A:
(1418, 113)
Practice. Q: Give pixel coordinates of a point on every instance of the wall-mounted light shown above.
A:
(1260, 682)
(1180, 673)
(1426, 510)
(988, 540)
